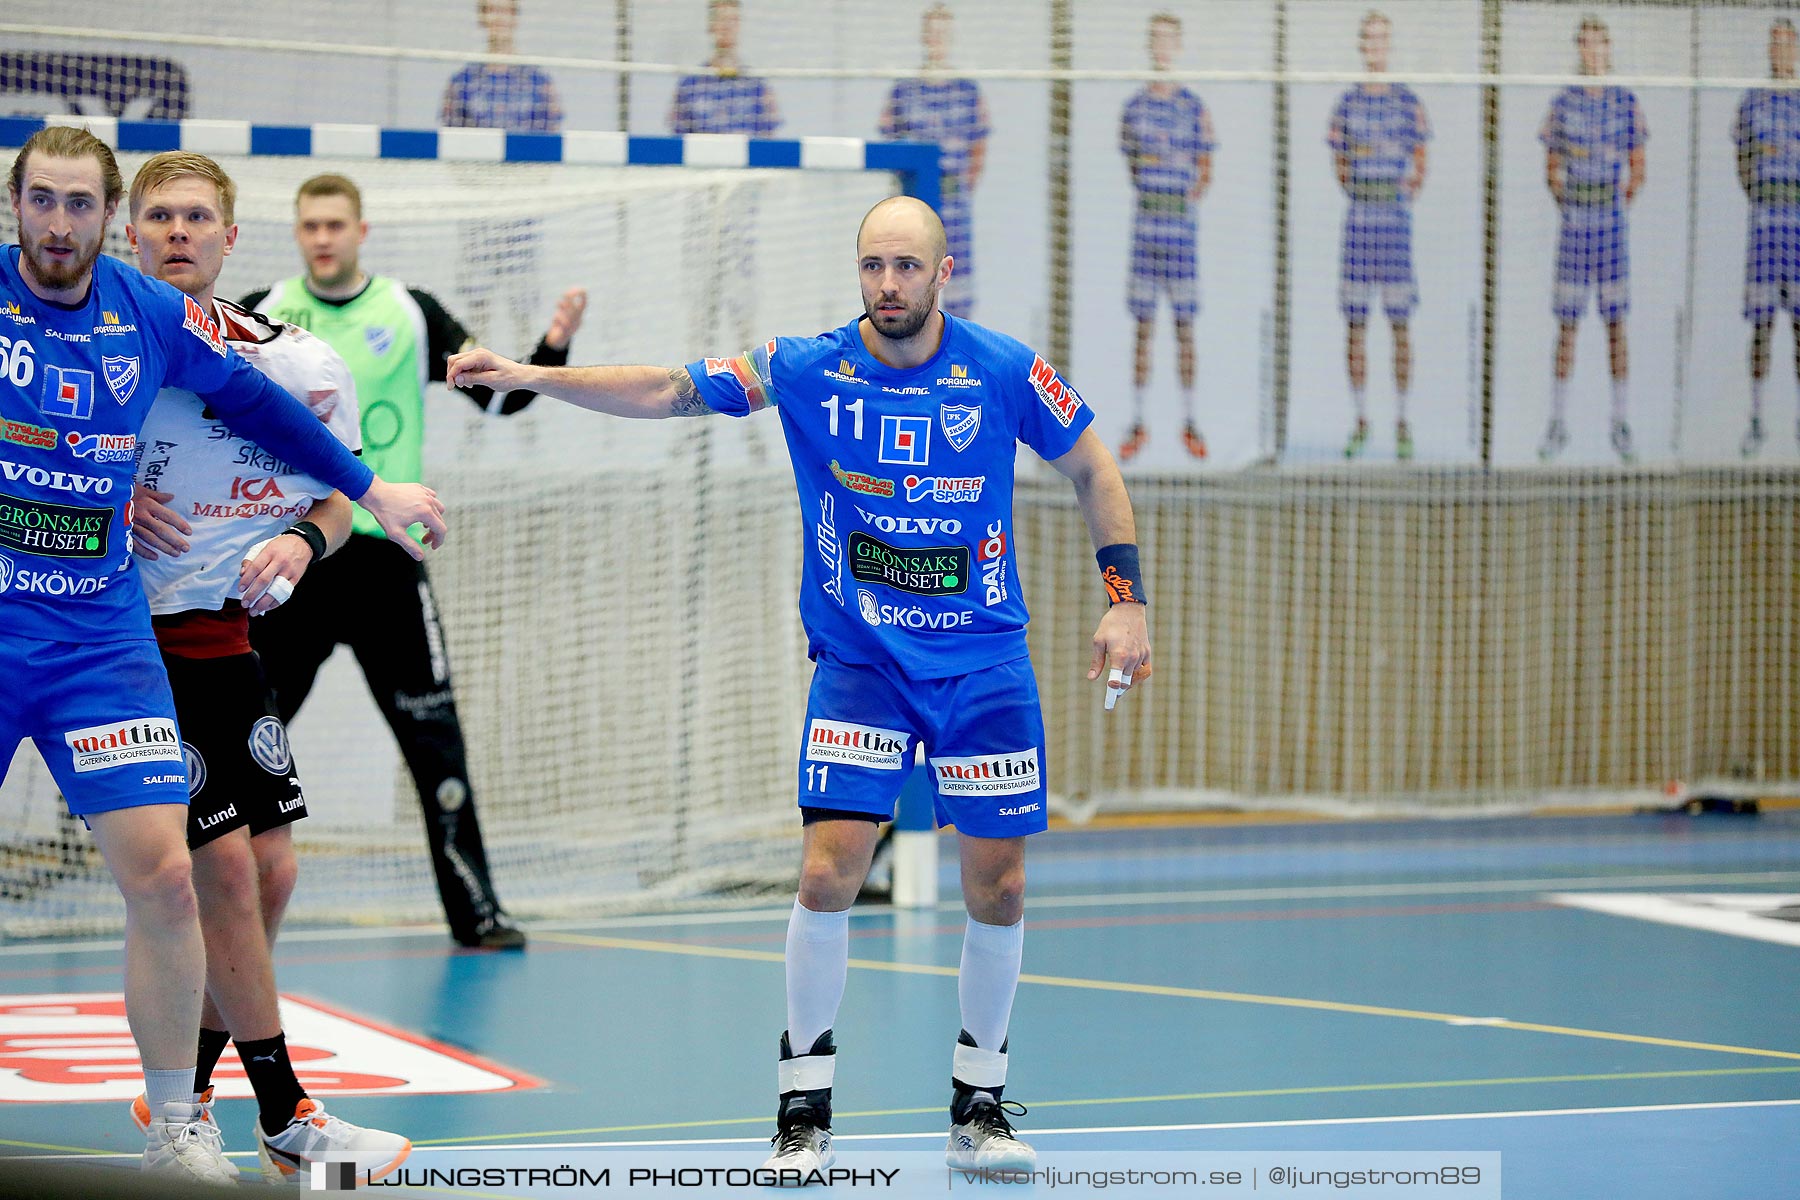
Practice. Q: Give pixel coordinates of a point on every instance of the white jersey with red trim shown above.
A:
(233, 492)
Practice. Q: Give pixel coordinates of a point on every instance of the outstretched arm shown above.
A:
(1122, 640)
(642, 393)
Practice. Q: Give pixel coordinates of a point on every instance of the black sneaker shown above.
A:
(496, 933)
(981, 1138)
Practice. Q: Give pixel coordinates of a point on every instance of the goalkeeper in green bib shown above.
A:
(371, 595)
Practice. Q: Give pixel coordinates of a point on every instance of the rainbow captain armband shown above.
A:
(1120, 573)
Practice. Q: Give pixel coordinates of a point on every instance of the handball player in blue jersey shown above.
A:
(1767, 133)
(952, 113)
(89, 343)
(1594, 164)
(902, 427)
(1378, 135)
(1166, 136)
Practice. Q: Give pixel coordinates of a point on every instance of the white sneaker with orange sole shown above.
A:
(314, 1135)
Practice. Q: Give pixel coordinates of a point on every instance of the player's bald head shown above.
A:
(908, 220)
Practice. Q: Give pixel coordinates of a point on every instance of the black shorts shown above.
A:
(240, 769)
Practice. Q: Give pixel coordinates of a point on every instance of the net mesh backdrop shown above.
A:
(1447, 347)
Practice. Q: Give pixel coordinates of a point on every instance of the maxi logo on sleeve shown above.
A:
(858, 745)
(921, 570)
(1061, 399)
(53, 530)
(202, 327)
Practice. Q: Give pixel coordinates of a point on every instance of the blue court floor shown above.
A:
(1608, 1002)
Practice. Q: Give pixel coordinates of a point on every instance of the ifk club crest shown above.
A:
(961, 423)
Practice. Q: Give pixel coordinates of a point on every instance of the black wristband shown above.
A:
(1120, 573)
(311, 534)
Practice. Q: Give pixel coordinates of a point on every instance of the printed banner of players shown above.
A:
(1381, 338)
(1632, 328)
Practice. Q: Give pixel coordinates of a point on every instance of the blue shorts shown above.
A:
(1592, 254)
(102, 716)
(1772, 272)
(1377, 253)
(1165, 257)
(983, 735)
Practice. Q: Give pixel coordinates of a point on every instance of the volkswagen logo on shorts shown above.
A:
(269, 746)
(871, 611)
(196, 769)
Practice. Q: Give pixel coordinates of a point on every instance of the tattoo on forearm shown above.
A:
(687, 396)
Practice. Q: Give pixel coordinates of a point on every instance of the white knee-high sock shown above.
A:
(990, 975)
(818, 962)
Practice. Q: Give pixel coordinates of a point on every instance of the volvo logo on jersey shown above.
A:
(921, 570)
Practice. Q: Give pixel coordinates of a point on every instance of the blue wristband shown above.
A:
(1120, 572)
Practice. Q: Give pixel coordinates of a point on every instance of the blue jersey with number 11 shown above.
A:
(905, 480)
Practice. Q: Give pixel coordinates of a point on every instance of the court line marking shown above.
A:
(1333, 1089)
(1068, 1132)
(1459, 1020)
(1033, 903)
(516, 1147)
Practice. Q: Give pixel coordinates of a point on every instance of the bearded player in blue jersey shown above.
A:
(1767, 135)
(1377, 138)
(902, 427)
(89, 342)
(952, 113)
(1594, 165)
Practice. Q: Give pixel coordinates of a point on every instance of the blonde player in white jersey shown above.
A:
(224, 532)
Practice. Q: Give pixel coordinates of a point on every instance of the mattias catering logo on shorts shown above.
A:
(858, 745)
(147, 739)
(1005, 774)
